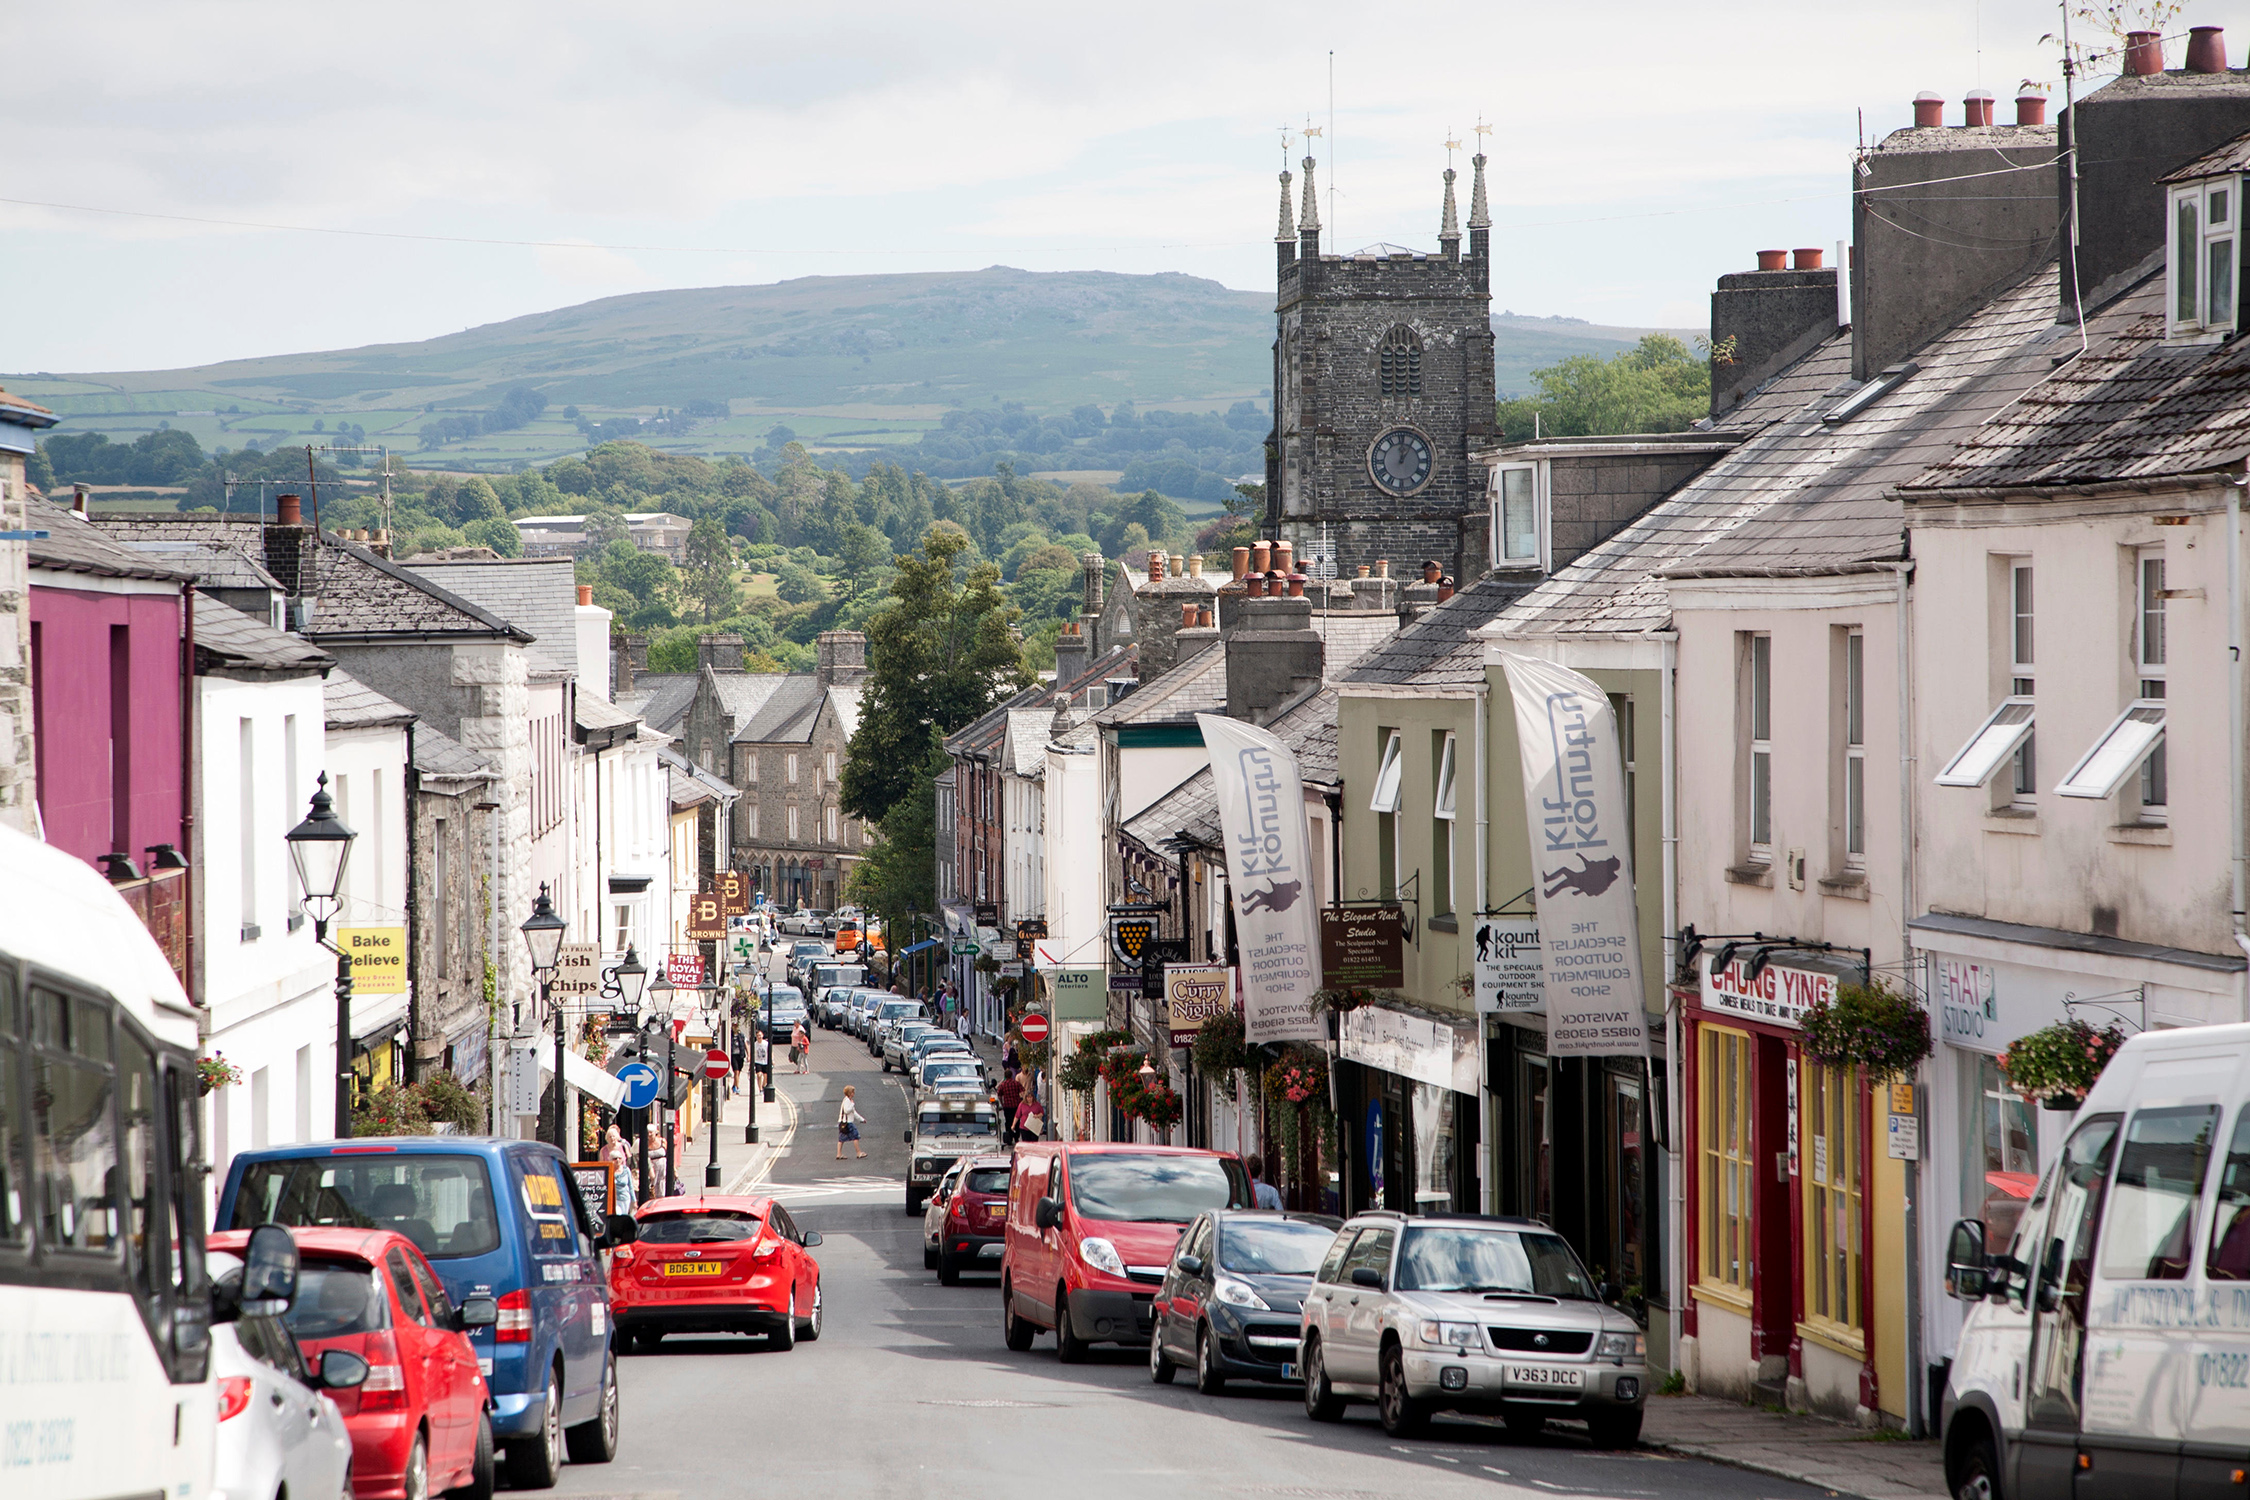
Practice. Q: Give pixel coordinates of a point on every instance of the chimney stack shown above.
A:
(1929, 110)
(721, 653)
(636, 652)
(840, 657)
(1273, 654)
(620, 669)
(1070, 654)
(1090, 605)
(1977, 108)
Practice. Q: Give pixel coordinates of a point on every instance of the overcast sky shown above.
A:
(1639, 148)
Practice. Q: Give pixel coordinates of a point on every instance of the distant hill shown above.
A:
(844, 362)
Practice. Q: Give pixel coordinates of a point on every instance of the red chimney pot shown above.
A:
(1773, 260)
(1806, 259)
(2031, 109)
(290, 511)
(1261, 556)
(585, 595)
(1296, 585)
(2207, 49)
(1929, 110)
(2144, 53)
(1253, 585)
(1241, 562)
(1977, 108)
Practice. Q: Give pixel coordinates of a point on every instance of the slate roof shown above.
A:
(1441, 649)
(362, 594)
(987, 735)
(1803, 495)
(1307, 727)
(538, 593)
(352, 704)
(1199, 684)
(437, 754)
(2234, 156)
(785, 713)
(691, 785)
(73, 545)
(2128, 408)
(214, 565)
(743, 696)
(24, 413)
(662, 699)
(593, 711)
(227, 641)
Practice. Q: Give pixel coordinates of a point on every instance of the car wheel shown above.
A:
(479, 1486)
(535, 1463)
(1614, 1429)
(647, 1340)
(1160, 1368)
(1524, 1426)
(809, 1330)
(1014, 1331)
(929, 1258)
(913, 1201)
(1977, 1476)
(1208, 1379)
(784, 1338)
(1400, 1414)
(1069, 1347)
(948, 1270)
(414, 1484)
(1322, 1404)
(595, 1442)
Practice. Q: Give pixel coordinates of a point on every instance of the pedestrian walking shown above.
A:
(659, 1178)
(621, 1168)
(1010, 1096)
(848, 1121)
(1031, 1117)
(763, 1054)
(1263, 1194)
(800, 1048)
(740, 1055)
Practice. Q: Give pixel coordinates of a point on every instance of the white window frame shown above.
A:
(1540, 506)
(792, 768)
(2023, 647)
(792, 822)
(1757, 705)
(1992, 746)
(2118, 754)
(2151, 653)
(752, 808)
(1855, 749)
(1388, 775)
(2212, 243)
(1445, 800)
(750, 763)
(832, 827)
(831, 763)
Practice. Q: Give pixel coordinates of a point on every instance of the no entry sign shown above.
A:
(716, 1064)
(1033, 1028)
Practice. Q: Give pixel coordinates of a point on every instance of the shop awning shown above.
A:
(582, 1075)
(918, 947)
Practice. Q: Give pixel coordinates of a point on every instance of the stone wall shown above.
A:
(18, 790)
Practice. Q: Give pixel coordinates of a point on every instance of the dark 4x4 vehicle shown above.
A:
(494, 1218)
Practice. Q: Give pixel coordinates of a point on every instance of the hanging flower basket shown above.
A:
(1083, 1068)
(1219, 1047)
(2056, 1065)
(1300, 1077)
(1351, 997)
(215, 1073)
(1871, 1027)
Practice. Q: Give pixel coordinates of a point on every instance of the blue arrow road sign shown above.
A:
(640, 1082)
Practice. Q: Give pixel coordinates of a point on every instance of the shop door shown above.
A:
(2054, 1372)
(1773, 1280)
(1627, 1127)
(1535, 1132)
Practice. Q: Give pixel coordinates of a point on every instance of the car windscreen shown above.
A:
(443, 1203)
(699, 1229)
(334, 1299)
(987, 1180)
(967, 1122)
(1444, 1258)
(937, 1069)
(1153, 1189)
(892, 1009)
(1273, 1247)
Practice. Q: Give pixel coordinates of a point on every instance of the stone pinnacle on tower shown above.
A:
(1480, 216)
(1449, 226)
(1308, 220)
(1287, 231)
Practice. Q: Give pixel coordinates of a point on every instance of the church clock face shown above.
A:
(1400, 460)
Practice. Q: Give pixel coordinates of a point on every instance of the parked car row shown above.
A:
(1159, 1248)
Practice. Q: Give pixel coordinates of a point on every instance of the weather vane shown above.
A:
(1311, 129)
(1452, 144)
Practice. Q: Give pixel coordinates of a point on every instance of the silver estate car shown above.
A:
(1469, 1314)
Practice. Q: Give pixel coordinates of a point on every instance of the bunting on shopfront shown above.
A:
(1269, 878)
(1582, 858)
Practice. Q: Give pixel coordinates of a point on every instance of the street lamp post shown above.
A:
(623, 984)
(711, 1091)
(320, 847)
(543, 934)
(659, 1025)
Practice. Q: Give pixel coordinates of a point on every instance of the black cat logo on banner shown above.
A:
(1129, 938)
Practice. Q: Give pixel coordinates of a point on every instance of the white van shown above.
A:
(2108, 1353)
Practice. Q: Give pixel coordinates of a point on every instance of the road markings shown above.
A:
(769, 1152)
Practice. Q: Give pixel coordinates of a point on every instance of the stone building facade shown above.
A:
(1383, 390)
(20, 424)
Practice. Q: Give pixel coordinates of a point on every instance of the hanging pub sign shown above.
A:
(734, 892)
(1510, 975)
(707, 917)
(578, 969)
(1031, 929)
(685, 970)
(1129, 938)
(988, 914)
(1194, 994)
(1363, 946)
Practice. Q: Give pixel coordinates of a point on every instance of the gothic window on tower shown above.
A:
(1400, 365)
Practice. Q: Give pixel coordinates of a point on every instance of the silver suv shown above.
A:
(1469, 1314)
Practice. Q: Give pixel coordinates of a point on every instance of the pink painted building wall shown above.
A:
(107, 670)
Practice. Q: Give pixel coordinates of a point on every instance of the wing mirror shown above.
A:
(1048, 1214)
(811, 1239)
(342, 1370)
(1191, 1265)
(907, 1135)
(269, 1273)
(620, 1229)
(476, 1312)
(1362, 1276)
(1967, 1267)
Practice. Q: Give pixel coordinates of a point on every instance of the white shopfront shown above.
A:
(1989, 983)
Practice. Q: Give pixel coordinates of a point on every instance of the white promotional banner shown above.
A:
(1582, 854)
(1269, 877)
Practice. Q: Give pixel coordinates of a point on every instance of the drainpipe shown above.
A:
(198, 943)
(1485, 1184)
(1917, 1376)
(2234, 713)
(413, 916)
(1674, 1032)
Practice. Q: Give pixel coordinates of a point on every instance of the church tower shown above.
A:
(1382, 384)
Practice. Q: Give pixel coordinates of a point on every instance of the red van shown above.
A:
(1091, 1227)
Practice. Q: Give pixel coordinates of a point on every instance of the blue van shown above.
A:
(499, 1219)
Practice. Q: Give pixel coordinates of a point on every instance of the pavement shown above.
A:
(910, 1391)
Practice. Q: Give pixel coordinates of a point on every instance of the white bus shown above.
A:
(105, 1385)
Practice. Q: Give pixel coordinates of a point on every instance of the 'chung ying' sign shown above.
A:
(1269, 874)
(1582, 856)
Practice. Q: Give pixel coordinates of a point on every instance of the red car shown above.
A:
(713, 1264)
(975, 1214)
(421, 1424)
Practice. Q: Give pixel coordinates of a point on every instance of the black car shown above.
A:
(1229, 1303)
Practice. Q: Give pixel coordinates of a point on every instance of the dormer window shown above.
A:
(2205, 215)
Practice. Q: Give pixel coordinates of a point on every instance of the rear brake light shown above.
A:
(385, 1386)
(514, 1325)
(358, 1150)
(234, 1396)
(766, 1248)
